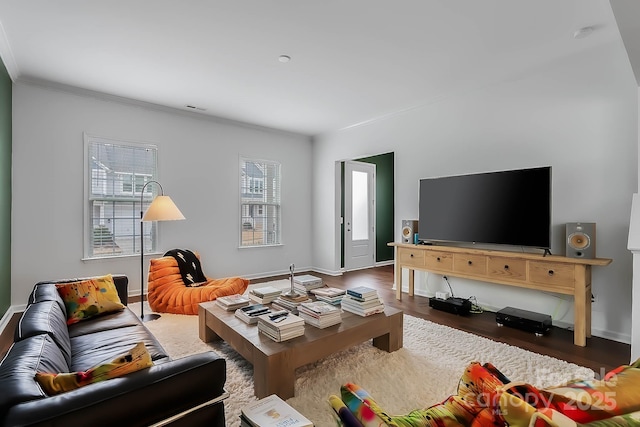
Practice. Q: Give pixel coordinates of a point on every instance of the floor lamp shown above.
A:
(161, 208)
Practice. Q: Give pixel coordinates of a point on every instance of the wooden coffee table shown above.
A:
(274, 363)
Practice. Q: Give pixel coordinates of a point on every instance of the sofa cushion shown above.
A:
(92, 349)
(106, 322)
(133, 360)
(46, 292)
(89, 298)
(38, 353)
(45, 318)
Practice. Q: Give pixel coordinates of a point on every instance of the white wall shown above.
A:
(577, 114)
(198, 162)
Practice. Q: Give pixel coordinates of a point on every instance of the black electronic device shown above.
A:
(453, 305)
(529, 321)
(510, 207)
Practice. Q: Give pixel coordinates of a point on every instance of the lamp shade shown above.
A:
(162, 209)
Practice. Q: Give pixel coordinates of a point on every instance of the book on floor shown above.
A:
(272, 411)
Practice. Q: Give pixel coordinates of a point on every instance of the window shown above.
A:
(116, 173)
(259, 202)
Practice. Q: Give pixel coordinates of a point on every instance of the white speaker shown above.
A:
(581, 239)
(409, 228)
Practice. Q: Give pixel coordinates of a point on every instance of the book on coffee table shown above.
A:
(233, 302)
(272, 411)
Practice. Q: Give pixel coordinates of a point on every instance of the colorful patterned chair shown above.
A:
(486, 398)
(168, 293)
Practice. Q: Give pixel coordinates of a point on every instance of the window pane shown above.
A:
(260, 203)
(360, 211)
(117, 173)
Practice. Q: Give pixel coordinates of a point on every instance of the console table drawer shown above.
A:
(470, 264)
(438, 260)
(507, 268)
(552, 273)
(411, 258)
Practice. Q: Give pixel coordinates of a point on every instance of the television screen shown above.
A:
(508, 207)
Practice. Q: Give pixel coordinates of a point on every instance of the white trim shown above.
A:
(60, 87)
(13, 309)
(7, 55)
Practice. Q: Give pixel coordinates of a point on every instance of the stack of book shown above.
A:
(272, 411)
(264, 295)
(233, 302)
(362, 301)
(328, 294)
(281, 325)
(306, 283)
(250, 313)
(290, 303)
(319, 314)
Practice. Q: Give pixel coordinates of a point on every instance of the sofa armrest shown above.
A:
(141, 398)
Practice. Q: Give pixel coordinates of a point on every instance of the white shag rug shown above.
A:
(424, 372)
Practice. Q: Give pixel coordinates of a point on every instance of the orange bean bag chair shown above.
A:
(167, 292)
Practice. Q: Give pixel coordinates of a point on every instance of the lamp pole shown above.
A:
(142, 316)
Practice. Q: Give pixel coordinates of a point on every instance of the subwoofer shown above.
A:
(409, 228)
(581, 239)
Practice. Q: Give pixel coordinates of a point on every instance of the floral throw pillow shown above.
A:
(134, 360)
(89, 298)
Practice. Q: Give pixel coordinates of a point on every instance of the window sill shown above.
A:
(120, 257)
(261, 246)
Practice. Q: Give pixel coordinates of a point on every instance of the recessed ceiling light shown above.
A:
(284, 58)
(583, 32)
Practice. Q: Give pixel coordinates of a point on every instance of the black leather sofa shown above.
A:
(182, 392)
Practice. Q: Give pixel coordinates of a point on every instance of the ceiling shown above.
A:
(352, 61)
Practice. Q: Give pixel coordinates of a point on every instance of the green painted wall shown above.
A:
(384, 203)
(5, 189)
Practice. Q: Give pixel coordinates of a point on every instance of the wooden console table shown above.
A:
(551, 273)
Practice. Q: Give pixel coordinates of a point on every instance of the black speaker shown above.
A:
(409, 228)
(581, 240)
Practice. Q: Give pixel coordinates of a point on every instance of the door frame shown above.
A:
(371, 242)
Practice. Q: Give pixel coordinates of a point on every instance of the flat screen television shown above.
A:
(511, 207)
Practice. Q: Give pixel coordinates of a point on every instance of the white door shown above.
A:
(359, 215)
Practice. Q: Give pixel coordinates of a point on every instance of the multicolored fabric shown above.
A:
(89, 298)
(135, 359)
(487, 398)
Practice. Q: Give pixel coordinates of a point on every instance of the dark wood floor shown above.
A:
(600, 354)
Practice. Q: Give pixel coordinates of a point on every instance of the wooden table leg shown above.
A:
(205, 333)
(398, 280)
(580, 306)
(394, 339)
(273, 375)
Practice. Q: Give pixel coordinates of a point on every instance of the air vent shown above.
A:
(191, 107)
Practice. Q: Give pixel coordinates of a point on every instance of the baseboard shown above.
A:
(13, 309)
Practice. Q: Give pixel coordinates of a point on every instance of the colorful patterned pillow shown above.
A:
(89, 298)
(134, 360)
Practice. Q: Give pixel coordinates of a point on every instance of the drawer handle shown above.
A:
(469, 262)
(411, 255)
(506, 267)
(438, 259)
(550, 272)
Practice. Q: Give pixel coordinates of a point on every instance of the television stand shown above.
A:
(557, 274)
